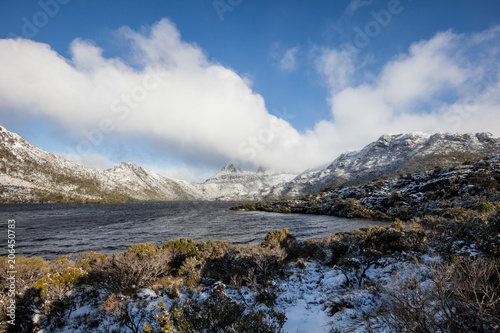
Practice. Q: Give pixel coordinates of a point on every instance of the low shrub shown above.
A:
(215, 315)
(139, 267)
(56, 285)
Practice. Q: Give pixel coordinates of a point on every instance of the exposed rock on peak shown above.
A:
(230, 168)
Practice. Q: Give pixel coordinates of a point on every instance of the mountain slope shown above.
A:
(393, 155)
(30, 174)
(237, 184)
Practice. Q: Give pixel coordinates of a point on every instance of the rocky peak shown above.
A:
(230, 168)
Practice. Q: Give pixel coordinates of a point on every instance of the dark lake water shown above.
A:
(50, 230)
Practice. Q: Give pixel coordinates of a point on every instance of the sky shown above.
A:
(184, 87)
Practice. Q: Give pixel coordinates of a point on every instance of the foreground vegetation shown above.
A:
(464, 285)
(435, 269)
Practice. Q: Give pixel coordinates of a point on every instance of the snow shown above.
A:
(314, 298)
(384, 158)
(31, 167)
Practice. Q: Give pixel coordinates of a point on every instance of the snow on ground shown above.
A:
(314, 299)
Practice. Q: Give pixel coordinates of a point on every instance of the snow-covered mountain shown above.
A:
(392, 155)
(239, 184)
(30, 174)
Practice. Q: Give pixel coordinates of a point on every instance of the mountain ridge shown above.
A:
(30, 174)
(393, 154)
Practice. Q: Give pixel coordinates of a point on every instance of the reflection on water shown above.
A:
(50, 230)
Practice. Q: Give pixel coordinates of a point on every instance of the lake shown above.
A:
(51, 230)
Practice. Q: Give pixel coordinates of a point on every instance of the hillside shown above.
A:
(392, 155)
(30, 174)
(443, 192)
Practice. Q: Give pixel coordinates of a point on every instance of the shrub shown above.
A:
(355, 268)
(192, 270)
(89, 260)
(126, 312)
(143, 249)
(137, 268)
(56, 285)
(61, 263)
(164, 320)
(215, 315)
(28, 270)
(183, 245)
(485, 207)
(462, 296)
(281, 237)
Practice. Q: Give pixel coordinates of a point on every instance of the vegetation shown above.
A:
(440, 258)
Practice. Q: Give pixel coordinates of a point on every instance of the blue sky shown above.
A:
(283, 84)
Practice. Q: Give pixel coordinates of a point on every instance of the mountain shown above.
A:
(237, 184)
(391, 155)
(30, 174)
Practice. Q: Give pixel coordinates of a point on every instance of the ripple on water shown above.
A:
(51, 230)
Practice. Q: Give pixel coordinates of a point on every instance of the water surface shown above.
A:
(50, 230)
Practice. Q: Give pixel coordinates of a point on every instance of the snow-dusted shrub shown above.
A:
(478, 232)
(215, 314)
(355, 267)
(126, 312)
(460, 295)
(192, 271)
(139, 266)
(53, 289)
(169, 285)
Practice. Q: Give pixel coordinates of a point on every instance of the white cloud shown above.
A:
(336, 66)
(172, 94)
(207, 114)
(185, 172)
(289, 62)
(426, 89)
(94, 161)
(285, 59)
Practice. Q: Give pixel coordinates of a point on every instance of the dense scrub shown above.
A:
(113, 281)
